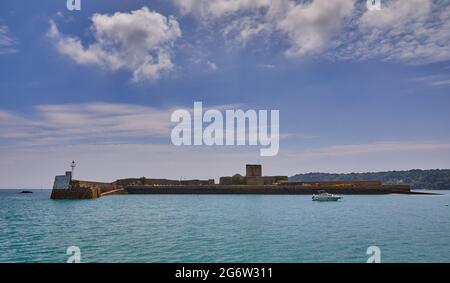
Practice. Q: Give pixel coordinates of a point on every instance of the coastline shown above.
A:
(105, 189)
(253, 183)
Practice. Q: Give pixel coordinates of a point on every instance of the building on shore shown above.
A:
(253, 177)
(62, 182)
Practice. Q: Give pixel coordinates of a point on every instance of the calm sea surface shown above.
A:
(233, 228)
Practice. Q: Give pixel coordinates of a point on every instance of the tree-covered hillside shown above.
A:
(418, 179)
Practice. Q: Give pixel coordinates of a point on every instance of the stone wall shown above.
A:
(251, 181)
(266, 189)
(100, 186)
(80, 193)
(335, 184)
(78, 189)
(226, 180)
(161, 182)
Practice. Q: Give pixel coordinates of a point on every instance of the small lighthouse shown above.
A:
(72, 165)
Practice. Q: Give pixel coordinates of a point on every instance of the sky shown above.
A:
(357, 89)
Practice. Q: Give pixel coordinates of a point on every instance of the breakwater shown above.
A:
(254, 182)
(95, 191)
(264, 190)
(77, 189)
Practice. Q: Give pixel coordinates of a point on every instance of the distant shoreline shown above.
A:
(418, 179)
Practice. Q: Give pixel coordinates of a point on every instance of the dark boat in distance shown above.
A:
(25, 192)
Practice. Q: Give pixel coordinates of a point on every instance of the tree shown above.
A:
(238, 179)
(143, 180)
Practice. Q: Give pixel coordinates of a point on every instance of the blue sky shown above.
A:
(357, 90)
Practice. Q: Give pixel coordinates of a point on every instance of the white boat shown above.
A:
(324, 196)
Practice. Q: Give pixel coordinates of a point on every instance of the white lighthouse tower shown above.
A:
(72, 165)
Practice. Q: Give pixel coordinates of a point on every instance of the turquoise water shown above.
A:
(233, 228)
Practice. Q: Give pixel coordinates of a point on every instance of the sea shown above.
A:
(224, 228)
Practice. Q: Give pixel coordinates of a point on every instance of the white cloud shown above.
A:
(244, 29)
(311, 26)
(441, 83)
(212, 66)
(7, 41)
(376, 147)
(397, 13)
(266, 66)
(308, 26)
(140, 41)
(434, 80)
(411, 31)
(218, 8)
(74, 123)
(85, 123)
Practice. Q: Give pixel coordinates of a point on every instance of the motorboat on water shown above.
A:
(324, 196)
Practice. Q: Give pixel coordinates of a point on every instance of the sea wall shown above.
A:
(79, 189)
(80, 193)
(101, 187)
(165, 182)
(91, 190)
(260, 189)
(338, 184)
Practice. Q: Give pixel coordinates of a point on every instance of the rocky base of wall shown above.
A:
(80, 193)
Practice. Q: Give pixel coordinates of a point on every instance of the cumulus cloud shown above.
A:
(397, 13)
(140, 41)
(218, 8)
(307, 25)
(311, 26)
(7, 41)
(244, 29)
(411, 31)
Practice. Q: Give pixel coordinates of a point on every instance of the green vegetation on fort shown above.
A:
(417, 179)
(143, 181)
(238, 179)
